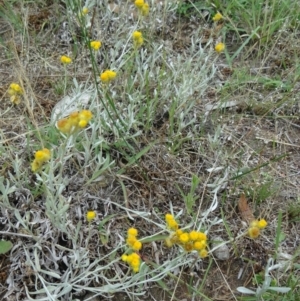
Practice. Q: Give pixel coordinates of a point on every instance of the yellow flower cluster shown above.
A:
(90, 215)
(134, 261)
(15, 91)
(256, 226)
(190, 241)
(142, 6)
(217, 17)
(40, 158)
(65, 60)
(171, 222)
(132, 240)
(95, 45)
(76, 121)
(138, 39)
(107, 76)
(220, 47)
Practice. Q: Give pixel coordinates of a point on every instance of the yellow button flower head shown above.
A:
(64, 125)
(15, 99)
(95, 45)
(82, 123)
(132, 231)
(90, 215)
(139, 3)
(193, 235)
(15, 91)
(202, 236)
(85, 11)
(142, 6)
(199, 245)
(107, 76)
(203, 253)
(253, 232)
(145, 9)
(137, 246)
(184, 238)
(134, 261)
(40, 157)
(65, 60)
(169, 243)
(138, 39)
(220, 47)
(131, 240)
(217, 17)
(261, 224)
(171, 223)
(84, 117)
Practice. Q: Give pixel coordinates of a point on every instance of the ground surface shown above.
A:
(244, 139)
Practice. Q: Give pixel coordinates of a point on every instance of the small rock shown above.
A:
(221, 252)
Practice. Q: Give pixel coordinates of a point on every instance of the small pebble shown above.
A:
(221, 253)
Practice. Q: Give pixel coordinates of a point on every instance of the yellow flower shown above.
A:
(86, 115)
(188, 247)
(145, 9)
(261, 224)
(137, 35)
(132, 231)
(253, 232)
(203, 253)
(134, 261)
(35, 165)
(169, 243)
(85, 11)
(131, 240)
(194, 235)
(217, 17)
(90, 215)
(15, 89)
(139, 3)
(63, 125)
(104, 77)
(95, 45)
(138, 39)
(137, 246)
(111, 74)
(124, 257)
(202, 236)
(15, 99)
(40, 157)
(65, 60)
(107, 76)
(82, 123)
(169, 216)
(172, 224)
(184, 238)
(179, 232)
(142, 6)
(75, 121)
(199, 245)
(220, 47)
